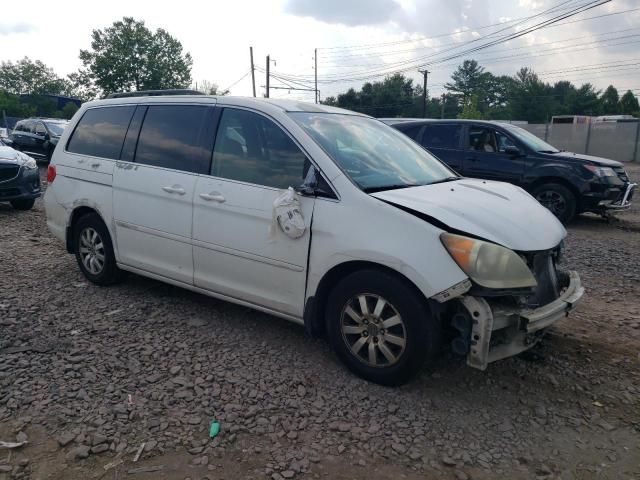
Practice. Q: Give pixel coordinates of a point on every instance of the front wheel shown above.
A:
(23, 204)
(558, 199)
(380, 327)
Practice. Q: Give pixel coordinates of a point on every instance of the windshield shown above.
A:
(375, 156)
(530, 140)
(56, 128)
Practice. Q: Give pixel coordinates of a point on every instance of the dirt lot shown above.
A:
(89, 374)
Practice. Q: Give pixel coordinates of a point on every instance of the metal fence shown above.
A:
(618, 141)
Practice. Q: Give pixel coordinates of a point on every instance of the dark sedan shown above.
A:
(19, 178)
(564, 182)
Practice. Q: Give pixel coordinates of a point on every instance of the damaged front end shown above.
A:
(490, 324)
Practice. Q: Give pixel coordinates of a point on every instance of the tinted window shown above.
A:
(40, 130)
(177, 137)
(503, 141)
(412, 132)
(482, 139)
(101, 131)
(253, 149)
(441, 136)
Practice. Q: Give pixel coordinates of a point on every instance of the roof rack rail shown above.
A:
(155, 93)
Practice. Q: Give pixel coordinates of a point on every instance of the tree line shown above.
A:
(476, 93)
(125, 56)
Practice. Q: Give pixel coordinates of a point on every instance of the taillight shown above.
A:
(51, 173)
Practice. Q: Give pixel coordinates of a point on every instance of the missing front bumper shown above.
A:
(498, 331)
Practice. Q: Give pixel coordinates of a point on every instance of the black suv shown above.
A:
(564, 182)
(19, 178)
(38, 136)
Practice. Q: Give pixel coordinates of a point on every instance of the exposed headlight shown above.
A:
(30, 164)
(601, 171)
(488, 264)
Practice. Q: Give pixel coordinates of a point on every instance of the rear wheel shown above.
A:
(380, 327)
(23, 204)
(558, 199)
(94, 251)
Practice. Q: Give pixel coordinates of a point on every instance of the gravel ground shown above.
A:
(89, 374)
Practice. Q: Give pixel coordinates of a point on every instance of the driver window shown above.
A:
(504, 142)
(482, 139)
(250, 148)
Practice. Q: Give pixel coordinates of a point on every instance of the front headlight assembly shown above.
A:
(30, 164)
(487, 264)
(601, 172)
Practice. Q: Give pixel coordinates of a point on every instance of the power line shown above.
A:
(440, 35)
(237, 81)
(410, 64)
(485, 61)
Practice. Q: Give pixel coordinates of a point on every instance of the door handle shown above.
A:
(213, 197)
(471, 159)
(175, 189)
(95, 165)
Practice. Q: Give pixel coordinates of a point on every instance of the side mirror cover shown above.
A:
(514, 151)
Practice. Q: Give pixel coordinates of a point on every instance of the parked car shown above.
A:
(564, 182)
(38, 136)
(19, 178)
(381, 247)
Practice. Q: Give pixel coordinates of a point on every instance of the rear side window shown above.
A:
(441, 136)
(412, 132)
(100, 132)
(177, 137)
(250, 148)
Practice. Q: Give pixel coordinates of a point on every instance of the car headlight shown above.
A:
(488, 264)
(601, 171)
(30, 164)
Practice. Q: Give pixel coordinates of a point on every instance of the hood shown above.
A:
(9, 155)
(496, 211)
(604, 162)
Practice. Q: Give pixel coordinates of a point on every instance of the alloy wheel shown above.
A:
(553, 201)
(373, 330)
(91, 251)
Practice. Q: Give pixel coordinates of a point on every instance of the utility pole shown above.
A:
(425, 72)
(315, 70)
(253, 76)
(267, 84)
(442, 107)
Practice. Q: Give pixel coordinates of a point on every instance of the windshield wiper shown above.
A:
(446, 179)
(548, 151)
(382, 188)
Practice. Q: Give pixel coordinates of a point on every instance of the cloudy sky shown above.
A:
(357, 40)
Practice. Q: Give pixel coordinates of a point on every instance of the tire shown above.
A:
(558, 199)
(91, 239)
(353, 340)
(23, 204)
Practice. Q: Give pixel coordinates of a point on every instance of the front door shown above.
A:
(238, 250)
(153, 196)
(486, 157)
(444, 141)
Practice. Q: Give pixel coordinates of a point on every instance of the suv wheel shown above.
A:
(94, 251)
(380, 327)
(558, 199)
(23, 204)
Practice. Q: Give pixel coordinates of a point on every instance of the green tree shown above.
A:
(610, 101)
(467, 79)
(27, 76)
(470, 109)
(127, 56)
(69, 110)
(11, 106)
(629, 104)
(586, 101)
(529, 98)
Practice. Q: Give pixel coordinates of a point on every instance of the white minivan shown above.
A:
(378, 245)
